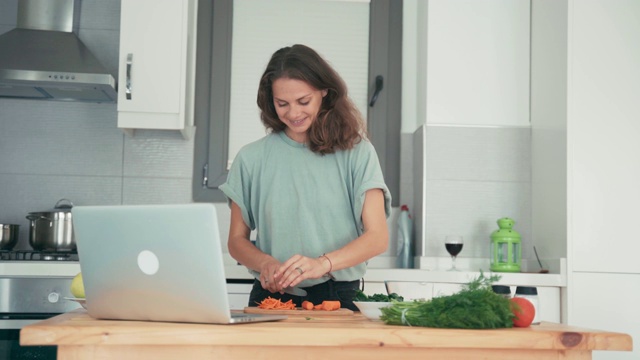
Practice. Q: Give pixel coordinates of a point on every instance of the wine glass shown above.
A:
(453, 244)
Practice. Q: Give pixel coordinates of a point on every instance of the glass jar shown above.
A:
(502, 290)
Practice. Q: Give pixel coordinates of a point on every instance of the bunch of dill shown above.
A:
(476, 306)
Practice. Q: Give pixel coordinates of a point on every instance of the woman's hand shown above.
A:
(267, 278)
(248, 255)
(298, 268)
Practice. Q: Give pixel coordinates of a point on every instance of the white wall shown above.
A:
(604, 128)
(467, 80)
(604, 166)
(585, 86)
(478, 62)
(549, 126)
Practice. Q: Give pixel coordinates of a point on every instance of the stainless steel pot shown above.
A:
(8, 236)
(52, 230)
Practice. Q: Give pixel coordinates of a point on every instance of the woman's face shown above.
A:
(297, 104)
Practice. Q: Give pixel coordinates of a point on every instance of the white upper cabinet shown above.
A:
(586, 168)
(477, 62)
(157, 65)
(603, 129)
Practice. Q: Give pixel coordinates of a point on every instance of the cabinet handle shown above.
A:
(379, 85)
(129, 64)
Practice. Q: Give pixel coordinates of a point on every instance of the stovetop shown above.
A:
(20, 263)
(33, 255)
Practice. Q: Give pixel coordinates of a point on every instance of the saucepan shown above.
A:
(52, 230)
(8, 236)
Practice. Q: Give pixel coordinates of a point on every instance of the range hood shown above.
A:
(43, 59)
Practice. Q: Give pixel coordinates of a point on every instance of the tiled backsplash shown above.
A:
(52, 150)
(474, 176)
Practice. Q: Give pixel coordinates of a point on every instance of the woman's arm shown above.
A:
(373, 241)
(247, 254)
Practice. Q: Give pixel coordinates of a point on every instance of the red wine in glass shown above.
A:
(453, 244)
(453, 249)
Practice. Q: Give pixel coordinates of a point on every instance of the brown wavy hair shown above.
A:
(339, 124)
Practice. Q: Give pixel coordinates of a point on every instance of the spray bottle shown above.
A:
(405, 239)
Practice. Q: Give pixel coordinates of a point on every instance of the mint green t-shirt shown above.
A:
(300, 202)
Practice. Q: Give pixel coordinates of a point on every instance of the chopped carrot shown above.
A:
(318, 307)
(331, 305)
(276, 304)
(307, 305)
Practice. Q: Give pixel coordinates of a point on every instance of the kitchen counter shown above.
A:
(71, 268)
(234, 271)
(436, 276)
(78, 336)
(39, 268)
(381, 269)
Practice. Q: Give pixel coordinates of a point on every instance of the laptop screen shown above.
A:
(152, 262)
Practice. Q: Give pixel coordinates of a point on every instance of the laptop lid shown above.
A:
(154, 263)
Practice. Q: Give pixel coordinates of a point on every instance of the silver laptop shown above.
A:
(154, 263)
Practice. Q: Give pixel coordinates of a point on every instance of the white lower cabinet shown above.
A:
(550, 303)
(371, 288)
(609, 302)
(444, 289)
(238, 295)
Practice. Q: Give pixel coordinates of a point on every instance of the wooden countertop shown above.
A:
(79, 336)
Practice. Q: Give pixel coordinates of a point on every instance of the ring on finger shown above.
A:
(300, 270)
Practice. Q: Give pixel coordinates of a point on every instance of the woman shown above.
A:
(312, 188)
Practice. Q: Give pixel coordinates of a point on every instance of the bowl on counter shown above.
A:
(371, 309)
(410, 290)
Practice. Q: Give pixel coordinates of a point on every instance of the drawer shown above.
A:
(238, 295)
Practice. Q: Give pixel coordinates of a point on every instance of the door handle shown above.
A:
(379, 86)
(129, 65)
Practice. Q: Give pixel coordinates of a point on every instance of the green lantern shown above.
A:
(506, 249)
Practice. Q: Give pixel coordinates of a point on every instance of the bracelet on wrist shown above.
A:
(330, 265)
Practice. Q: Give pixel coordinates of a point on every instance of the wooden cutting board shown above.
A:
(299, 311)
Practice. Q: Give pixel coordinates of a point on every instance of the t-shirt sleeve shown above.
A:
(237, 188)
(367, 175)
